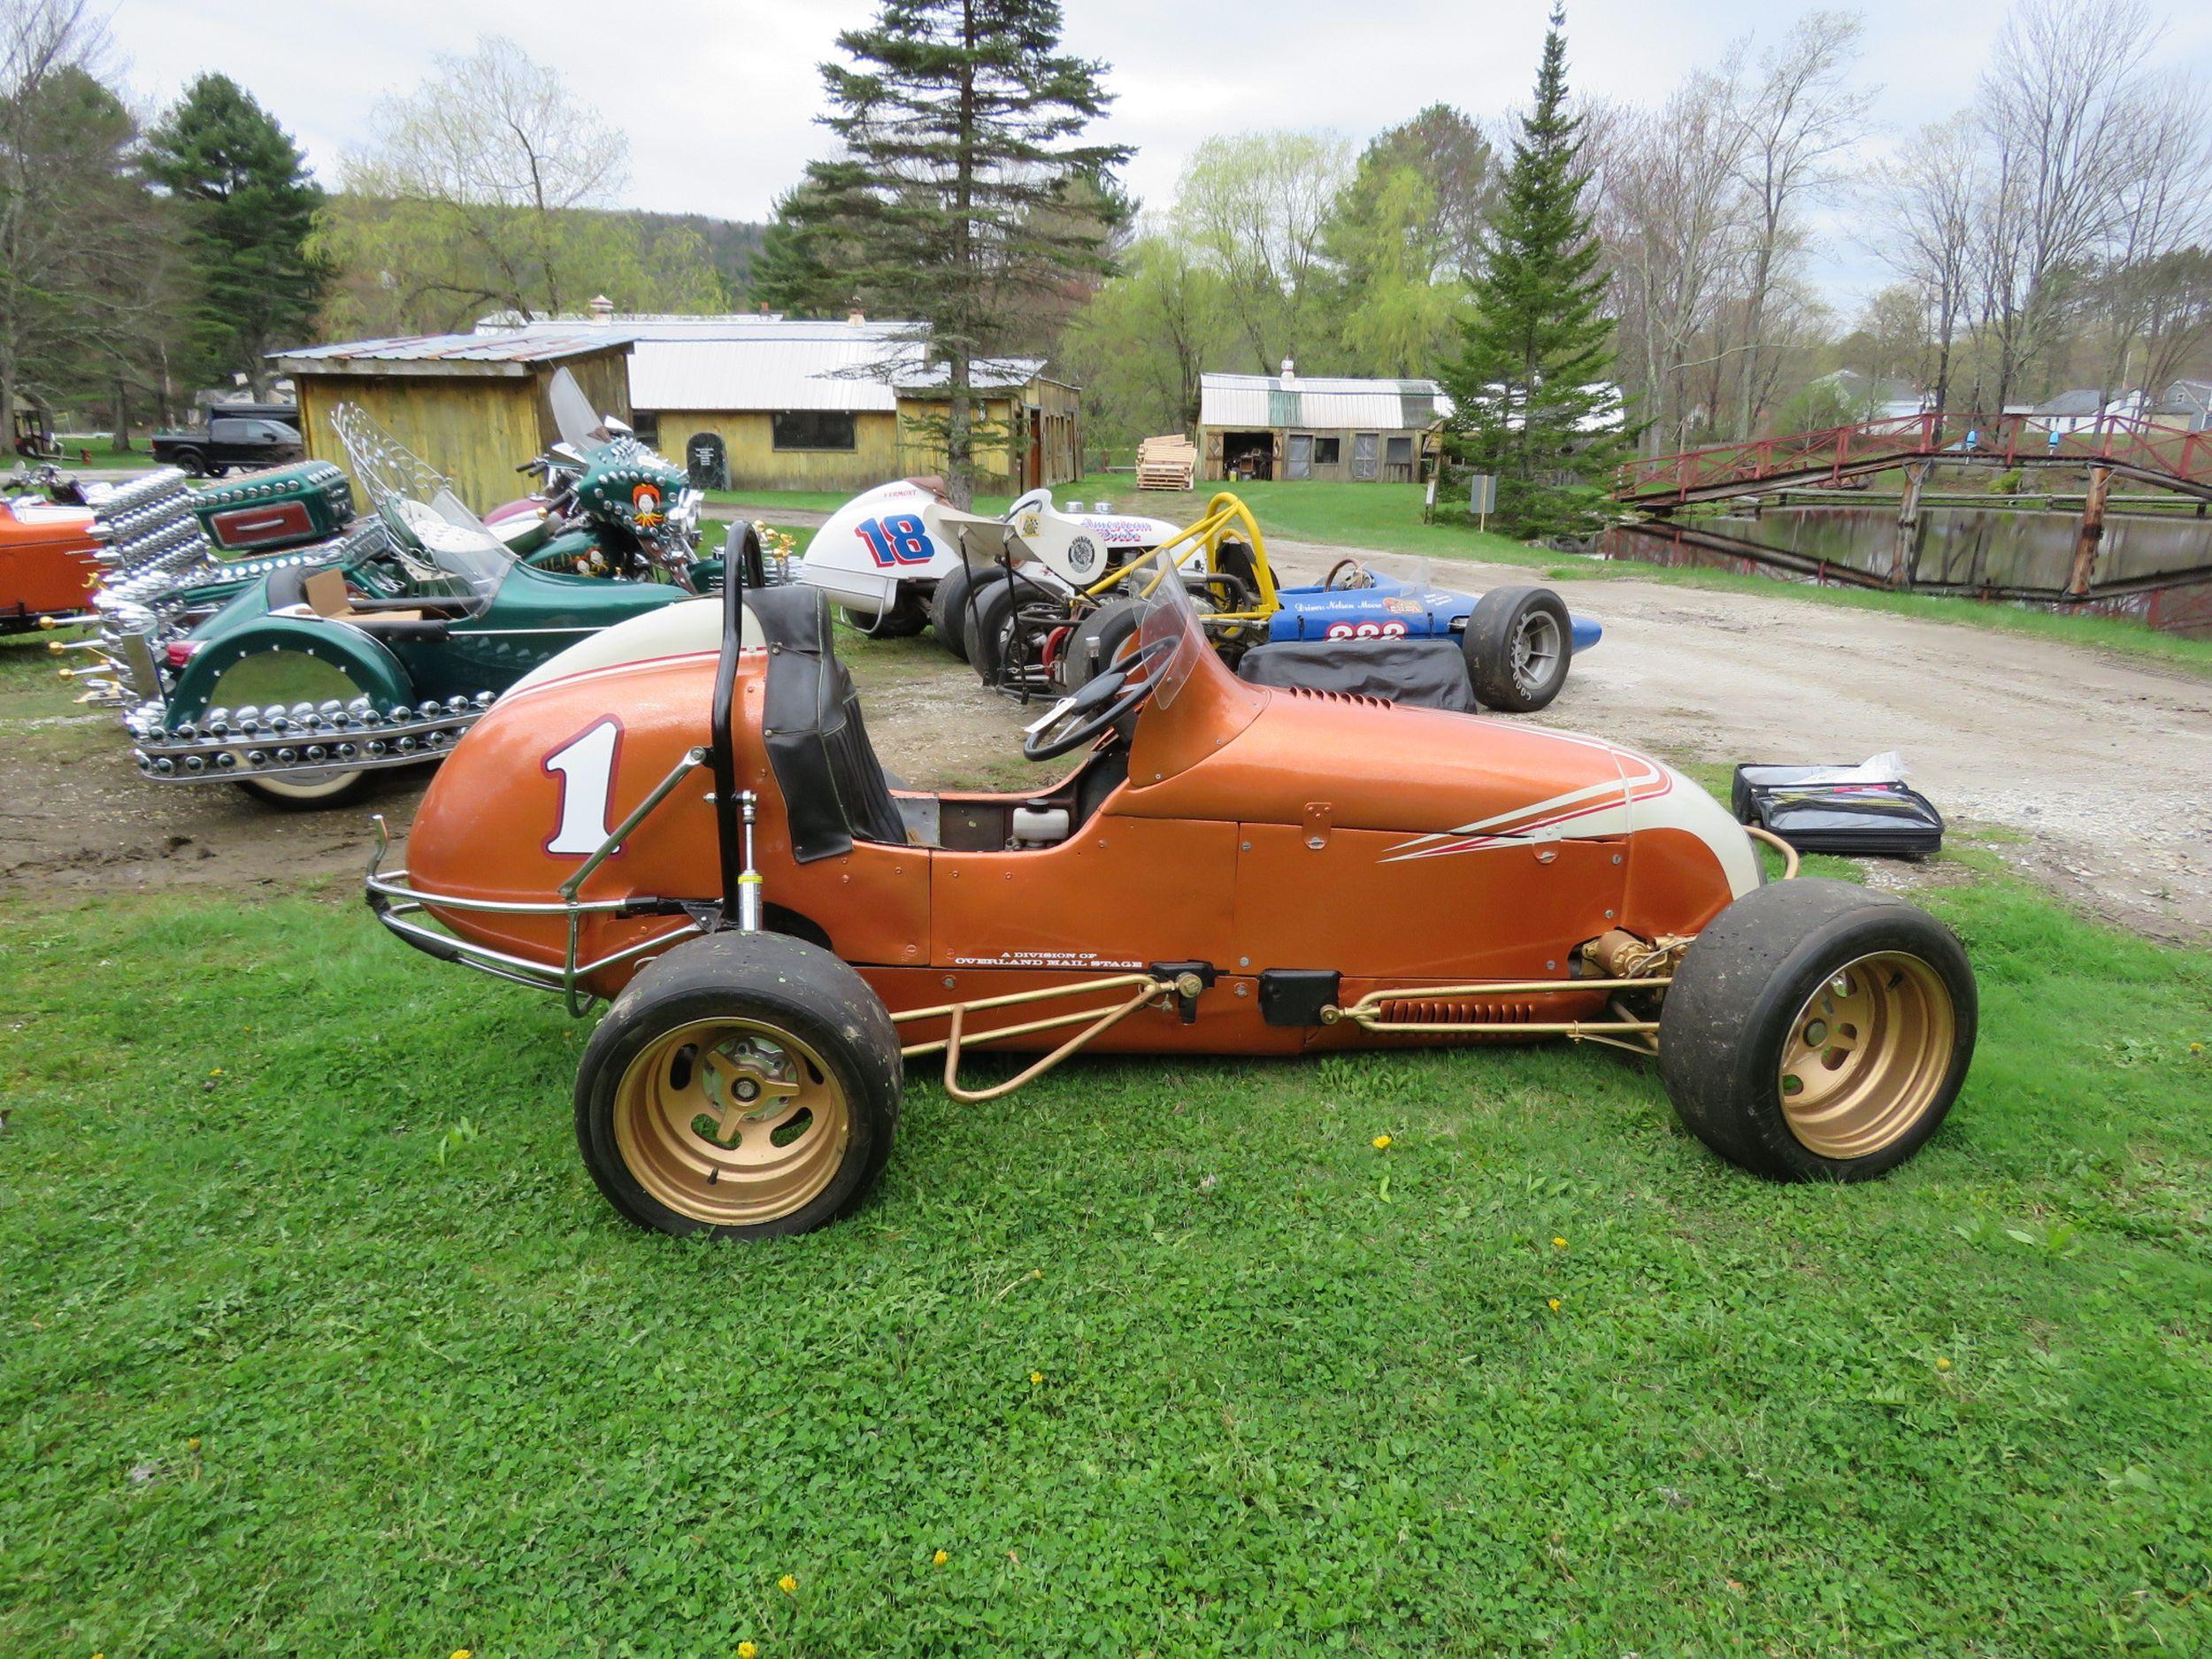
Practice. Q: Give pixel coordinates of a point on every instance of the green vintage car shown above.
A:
(376, 649)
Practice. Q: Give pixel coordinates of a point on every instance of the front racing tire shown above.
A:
(1097, 643)
(1518, 645)
(743, 1085)
(1818, 1031)
(909, 615)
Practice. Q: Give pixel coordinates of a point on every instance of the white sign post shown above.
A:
(1482, 497)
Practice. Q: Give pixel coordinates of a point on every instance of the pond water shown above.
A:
(2157, 569)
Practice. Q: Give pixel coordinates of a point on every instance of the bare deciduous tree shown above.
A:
(2060, 104)
(1923, 204)
(468, 186)
(1672, 219)
(1799, 113)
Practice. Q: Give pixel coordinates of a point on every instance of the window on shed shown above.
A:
(1327, 451)
(812, 429)
(647, 424)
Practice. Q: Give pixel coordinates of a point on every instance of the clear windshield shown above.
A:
(457, 553)
(573, 417)
(1170, 637)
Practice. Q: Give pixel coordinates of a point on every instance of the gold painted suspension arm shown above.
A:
(1143, 988)
(1790, 860)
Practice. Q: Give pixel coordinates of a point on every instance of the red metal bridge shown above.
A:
(2162, 455)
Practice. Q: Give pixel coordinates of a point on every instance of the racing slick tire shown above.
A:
(992, 621)
(1520, 644)
(1095, 643)
(949, 611)
(743, 1085)
(909, 615)
(1818, 1032)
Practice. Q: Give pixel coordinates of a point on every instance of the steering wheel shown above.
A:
(1354, 574)
(1077, 721)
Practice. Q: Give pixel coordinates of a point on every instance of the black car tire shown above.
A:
(991, 618)
(829, 1029)
(1784, 971)
(191, 463)
(1520, 644)
(948, 610)
(909, 616)
(1096, 639)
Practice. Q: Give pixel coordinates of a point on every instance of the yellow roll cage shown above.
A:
(1224, 513)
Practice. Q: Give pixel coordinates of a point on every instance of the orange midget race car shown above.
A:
(47, 563)
(684, 814)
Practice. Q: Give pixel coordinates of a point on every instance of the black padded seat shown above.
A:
(834, 787)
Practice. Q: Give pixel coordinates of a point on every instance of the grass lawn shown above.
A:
(320, 1341)
(103, 454)
(1387, 518)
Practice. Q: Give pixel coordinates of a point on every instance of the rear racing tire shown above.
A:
(949, 611)
(994, 620)
(909, 615)
(1818, 1032)
(745, 1086)
(1520, 644)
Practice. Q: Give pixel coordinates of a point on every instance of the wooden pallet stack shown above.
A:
(1166, 463)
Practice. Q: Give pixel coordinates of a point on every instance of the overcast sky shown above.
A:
(719, 96)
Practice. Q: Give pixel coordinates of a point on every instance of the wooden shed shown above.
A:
(1295, 426)
(762, 401)
(473, 406)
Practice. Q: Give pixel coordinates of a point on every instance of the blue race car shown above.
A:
(1517, 642)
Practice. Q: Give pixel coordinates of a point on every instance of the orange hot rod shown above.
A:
(685, 815)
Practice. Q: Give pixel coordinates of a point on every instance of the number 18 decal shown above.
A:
(901, 539)
(585, 765)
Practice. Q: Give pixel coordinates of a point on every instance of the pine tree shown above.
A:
(955, 120)
(1534, 400)
(249, 205)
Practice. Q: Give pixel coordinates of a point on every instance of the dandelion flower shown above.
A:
(192, 1445)
(1943, 1364)
(1552, 1304)
(748, 1650)
(1382, 1143)
(458, 1652)
(788, 1585)
(1559, 1244)
(1035, 1378)
(939, 1559)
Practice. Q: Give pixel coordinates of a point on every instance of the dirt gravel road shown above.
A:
(2101, 764)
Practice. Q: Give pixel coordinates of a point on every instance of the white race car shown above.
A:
(891, 557)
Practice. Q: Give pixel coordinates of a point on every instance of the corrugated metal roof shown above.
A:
(846, 371)
(1323, 402)
(740, 374)
(988, 374)
(514, 347)
(705, 325)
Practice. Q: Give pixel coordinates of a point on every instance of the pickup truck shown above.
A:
(228, 441)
